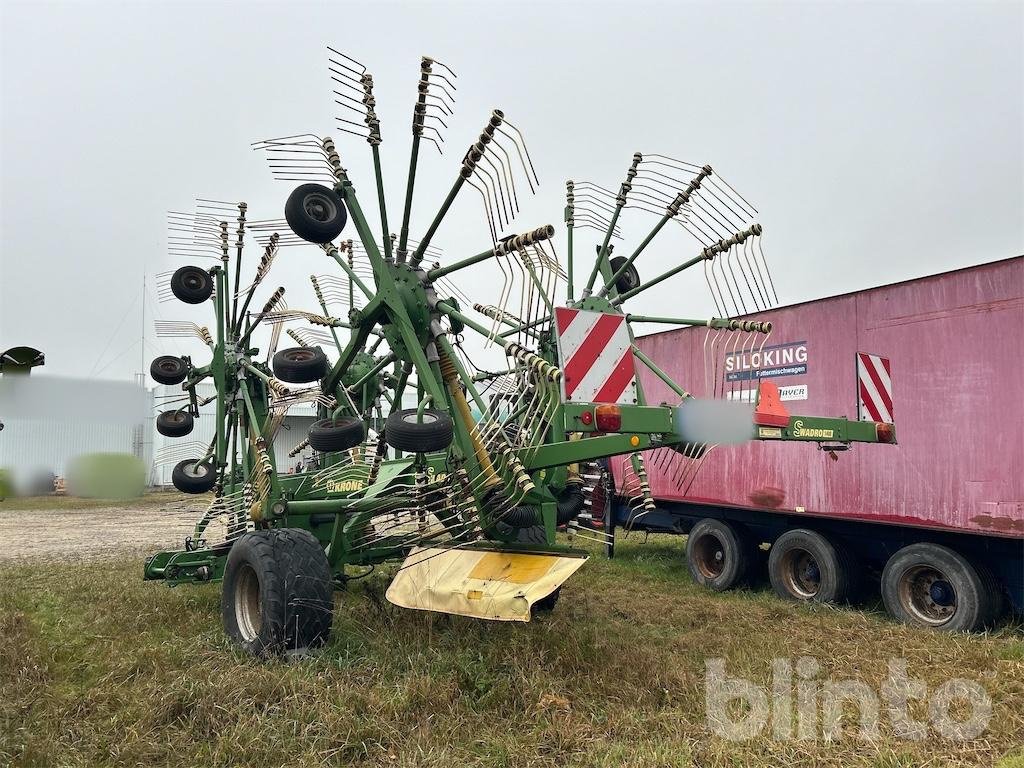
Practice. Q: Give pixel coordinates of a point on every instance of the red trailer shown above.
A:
(939, 518)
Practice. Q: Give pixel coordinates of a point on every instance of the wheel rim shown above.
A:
(319, 207)
(801, 574)
(300, 355)
(709, 556)
(248, 606)
(412, 418)
(169, 367)
(196, 470)
(176, 417)
(193, 282)
(927, 595)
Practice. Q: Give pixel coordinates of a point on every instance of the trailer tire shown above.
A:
(546, 604)
(187, 477)
(404, 431)
(192, 285)
(168, 369)
(300, 365)
(804, 566)
(336, 434)
(175, 423)
(315, 213)
(929, 585)
(278, 594)
(717, 554)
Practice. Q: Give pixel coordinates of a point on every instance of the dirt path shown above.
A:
(70, 533)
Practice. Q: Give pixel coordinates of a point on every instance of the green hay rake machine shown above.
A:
(463, 475)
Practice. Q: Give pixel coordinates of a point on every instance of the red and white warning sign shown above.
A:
(596, 356)
(874, 388)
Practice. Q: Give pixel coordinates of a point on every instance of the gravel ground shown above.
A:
(68, 533)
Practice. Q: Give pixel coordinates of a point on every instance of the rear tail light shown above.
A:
(884, 432)
(609, 418)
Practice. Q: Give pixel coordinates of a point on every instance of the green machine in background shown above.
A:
(468, 483)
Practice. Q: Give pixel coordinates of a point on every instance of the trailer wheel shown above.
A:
(546, 604)
(717, 554)
(300, 365)
(405, 431)
(192, 285)
(191, 476)
(315, 213)
(168, 369)
(803, 565)
(929, 585)
(336, 434)
(174, 423)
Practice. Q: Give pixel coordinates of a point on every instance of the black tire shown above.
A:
(336, 434)
(300, 365)
(929, 585)
(277, 595)
(315, 213)
(546, 604)
(994, 589)
(168, 369)
(192, 285)
(717, 554)
(532, 534)
(404, 431)
(190, 476)
(174, 423)
(629, 279)
(804, 566)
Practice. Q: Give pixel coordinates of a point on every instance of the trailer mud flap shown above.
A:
(487, 584)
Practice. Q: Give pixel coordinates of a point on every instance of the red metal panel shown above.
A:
(955, 342)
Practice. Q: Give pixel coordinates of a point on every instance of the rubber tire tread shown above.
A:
(296, 593)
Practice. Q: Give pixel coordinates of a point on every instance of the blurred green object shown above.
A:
(106, 476)
(6, 484)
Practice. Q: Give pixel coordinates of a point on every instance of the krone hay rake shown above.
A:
(462, 474)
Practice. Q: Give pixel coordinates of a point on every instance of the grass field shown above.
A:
(98, 668)
(150, 499)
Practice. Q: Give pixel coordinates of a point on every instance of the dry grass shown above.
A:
(58, 503)
(98, 668)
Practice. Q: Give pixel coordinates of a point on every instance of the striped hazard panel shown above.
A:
(874, 388)
(596, 356)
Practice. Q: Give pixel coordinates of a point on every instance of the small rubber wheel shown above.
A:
(546, 604)
(278, 594)
(191, 476)
(629, 279)
(803, 565)
(168, 369)
(300, 365)
(717, 554)
(174, 423)
(406, 431)
(315, 213)
(192, 285)
(336, 434)
(929, 585)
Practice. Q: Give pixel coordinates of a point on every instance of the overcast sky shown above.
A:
(878, 142)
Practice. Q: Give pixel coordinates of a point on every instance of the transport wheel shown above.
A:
(174, 423)
(315, 213)
(277, 593)
(191, 476)
(717, 554)
(168, 369)
(336, 434)
(629, 279)
(300, 365)
(929, 585)
(192, 285)
(803, 565)
(405, 431)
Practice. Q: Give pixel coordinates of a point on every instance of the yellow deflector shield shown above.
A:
(483, 584)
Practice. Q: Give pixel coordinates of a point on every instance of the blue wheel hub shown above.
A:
(941, 592)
